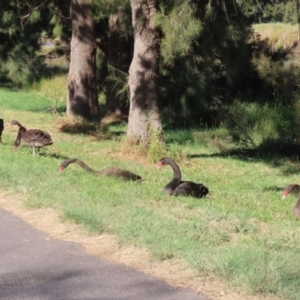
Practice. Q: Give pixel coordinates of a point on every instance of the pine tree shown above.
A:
(212, 68)
(20, 28)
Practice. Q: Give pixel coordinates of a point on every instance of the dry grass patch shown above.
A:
(278, 35)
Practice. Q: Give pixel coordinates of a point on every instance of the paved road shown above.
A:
(36, 267)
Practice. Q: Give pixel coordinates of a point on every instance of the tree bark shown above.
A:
(82, 98)
(144, 116)
(119, 58)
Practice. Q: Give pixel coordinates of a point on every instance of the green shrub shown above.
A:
(254, 123)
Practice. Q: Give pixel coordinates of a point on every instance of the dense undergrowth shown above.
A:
(242, 231)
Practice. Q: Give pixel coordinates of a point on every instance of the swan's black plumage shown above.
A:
(1, 129)
(109, 171)
(178, 187)
(34, 138)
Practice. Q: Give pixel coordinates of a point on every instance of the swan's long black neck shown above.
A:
(84, 166)
(20, 125)
(21, 131)
(296, 210)
(296, 187)
(176, 170)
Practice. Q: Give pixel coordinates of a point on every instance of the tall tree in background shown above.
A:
(82, 98)
(144, 117)
(176, 23)
(119, 57)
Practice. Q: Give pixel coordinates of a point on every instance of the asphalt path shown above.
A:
(34, 266)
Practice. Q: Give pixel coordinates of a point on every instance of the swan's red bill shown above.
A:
(60, 169)
(285, 193)
(159, 165)
(15, 148)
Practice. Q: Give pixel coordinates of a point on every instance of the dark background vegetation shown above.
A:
(230, 77)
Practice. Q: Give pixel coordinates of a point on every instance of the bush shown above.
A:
(254, 123)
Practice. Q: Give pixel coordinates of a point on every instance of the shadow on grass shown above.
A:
(79, 127)
(96, 131)
(103, 130)
(53, 155)
(273, 188)
(181, 137)
(276, 153)
(52, 109)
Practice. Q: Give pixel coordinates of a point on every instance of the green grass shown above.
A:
(52, 89)
(242, 231)
(25, 102)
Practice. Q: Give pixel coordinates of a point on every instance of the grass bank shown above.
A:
(241, 232)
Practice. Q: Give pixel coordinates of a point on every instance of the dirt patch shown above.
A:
(175, 271)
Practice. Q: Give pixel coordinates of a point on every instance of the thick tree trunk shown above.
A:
(82, 91)
(119, 58)
(144, 116)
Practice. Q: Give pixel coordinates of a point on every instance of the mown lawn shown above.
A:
(242, 231)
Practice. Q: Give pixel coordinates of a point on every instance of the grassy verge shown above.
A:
(242, 231)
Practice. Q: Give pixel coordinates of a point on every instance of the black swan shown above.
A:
(1, 129)
(35, 138)
(110, 171)
(178, 187)
(289, 189)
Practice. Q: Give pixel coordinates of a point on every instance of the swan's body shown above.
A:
(178, 187)
(110, 171)
(289, 189)
(34, 138)
(1, 129)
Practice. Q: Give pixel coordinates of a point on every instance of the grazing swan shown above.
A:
(34, 138)
(110, 171)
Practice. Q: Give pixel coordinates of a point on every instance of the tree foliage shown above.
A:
(215, 67)
(18, 44)
(22, 25)
(208, 56)
(264, 11)
(176, 22)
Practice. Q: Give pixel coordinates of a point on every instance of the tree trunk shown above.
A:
(144, 116)
(82, 90)
(119, 58)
